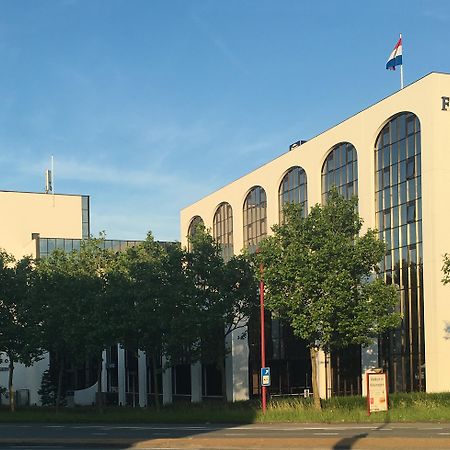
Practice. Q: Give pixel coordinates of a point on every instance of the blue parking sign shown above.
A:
(265, 376)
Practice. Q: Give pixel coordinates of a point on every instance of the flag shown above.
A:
(395, 59)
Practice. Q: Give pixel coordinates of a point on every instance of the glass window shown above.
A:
(411, 212)
(294, 191)
(255, 210)
(344, 177)
(404, 359)
(196, 221)
(223, 229)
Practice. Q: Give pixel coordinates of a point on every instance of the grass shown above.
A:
(413, 407)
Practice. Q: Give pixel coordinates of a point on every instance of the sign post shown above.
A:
(377, 392)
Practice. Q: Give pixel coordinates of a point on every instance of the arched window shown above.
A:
(255, 217)
(223, 229)
(399, 221)
(340, 169)
(195, 222)
(293, 190)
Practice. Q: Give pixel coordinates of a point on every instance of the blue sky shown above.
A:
(149, 105)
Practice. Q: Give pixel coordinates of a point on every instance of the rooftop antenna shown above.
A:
(49, 179)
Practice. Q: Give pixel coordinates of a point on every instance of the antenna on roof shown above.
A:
(49, 177)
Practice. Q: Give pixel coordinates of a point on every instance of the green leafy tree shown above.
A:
(146, 282)
(319, 275)
(20, 337)
(222, 297)
(75, 310)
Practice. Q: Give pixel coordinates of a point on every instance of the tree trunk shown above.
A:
(155, 381)
(12, 396)
(99, 385)
(314, 373)
(60, 378)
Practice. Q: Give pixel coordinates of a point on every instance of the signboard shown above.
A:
(265, 376)
(377, 392)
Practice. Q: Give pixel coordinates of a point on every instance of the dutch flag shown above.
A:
(395, 59)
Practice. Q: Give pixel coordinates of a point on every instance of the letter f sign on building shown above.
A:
(265, 376)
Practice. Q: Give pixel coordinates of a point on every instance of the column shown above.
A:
(166, 383)
(142, 370)
(121, 374)
(236, 367)
(196, 382)
(104, 373)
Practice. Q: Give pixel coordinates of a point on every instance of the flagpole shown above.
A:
(401, 66)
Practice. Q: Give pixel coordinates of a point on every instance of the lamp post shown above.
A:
(263, 340)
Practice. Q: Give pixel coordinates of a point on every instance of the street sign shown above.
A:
(377, 392)
(265, 376)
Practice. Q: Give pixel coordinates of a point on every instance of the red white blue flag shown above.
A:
(395, 59)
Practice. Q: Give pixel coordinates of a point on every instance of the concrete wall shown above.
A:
(24, 213)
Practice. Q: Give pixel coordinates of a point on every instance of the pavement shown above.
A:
(225, 436)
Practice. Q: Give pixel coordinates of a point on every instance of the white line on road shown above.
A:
(326, 434)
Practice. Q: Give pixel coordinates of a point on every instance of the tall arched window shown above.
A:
(293, 189)
(340, 169)
(195, 222)
(255, 217)
(223, 229)
(399, 221)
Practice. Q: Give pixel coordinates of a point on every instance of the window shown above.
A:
(223, 229)
(340, 169)
(85, 228)
(196, 222)
(397, 150)
(410, 168)
(411, 212)
(293, 190)
(255, 217)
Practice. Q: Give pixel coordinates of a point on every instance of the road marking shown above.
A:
(444, 434)
(326, 434)
(35, 446)
(430, 428)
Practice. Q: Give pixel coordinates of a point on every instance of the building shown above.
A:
(403, 192)
(25, 217)
(35, 224)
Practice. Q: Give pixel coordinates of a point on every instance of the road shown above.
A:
(213, 436)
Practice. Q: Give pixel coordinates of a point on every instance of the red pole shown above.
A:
(263, 340)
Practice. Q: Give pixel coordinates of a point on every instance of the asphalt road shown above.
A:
(214, 436)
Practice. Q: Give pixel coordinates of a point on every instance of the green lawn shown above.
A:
(416, 407)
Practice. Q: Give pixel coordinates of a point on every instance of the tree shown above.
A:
(75, 316)
(146, 282)
(222, 296)
(19, 320)
(319, 275)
